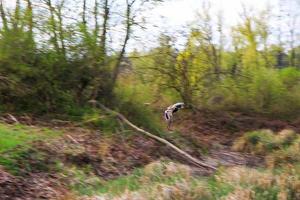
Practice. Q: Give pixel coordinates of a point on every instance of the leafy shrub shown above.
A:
(266, 91)
(162, 180)
(264, 141)
(264, 184)
(286, 137)
(172, 181)
(279, 149)
(256, 142)
(290, 154)
(133, 103)
(160, 170)
(97, 119)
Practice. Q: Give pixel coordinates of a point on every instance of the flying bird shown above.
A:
(170, 111)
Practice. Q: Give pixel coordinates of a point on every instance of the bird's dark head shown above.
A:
(180, 105)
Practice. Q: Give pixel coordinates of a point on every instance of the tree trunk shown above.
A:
(293, 54)
(101, 71)
(16, 19)
(96, 29)
(84, 12)
(53, 25)
(3, 16)
(29, 15)
(104, 32)
(122, 52)
(61, 29)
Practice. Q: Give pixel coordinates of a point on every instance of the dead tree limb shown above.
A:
(193, 160)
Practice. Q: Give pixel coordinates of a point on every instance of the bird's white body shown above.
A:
(170, 110)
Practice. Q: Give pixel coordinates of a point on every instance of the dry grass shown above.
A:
(284, 156)
(178, 182)
(160, 169)
(179, 191)
(104, 146)
(256, 142)
(241, 194)
(278, 149)
(265, 141)
(254, 184)
(286, 136)
(163, 180)
(166, 180)
(237, 176)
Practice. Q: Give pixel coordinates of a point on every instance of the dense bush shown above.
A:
(134, 101)
(165, 180)
(262, 184)
(264, 141)
(267, 91)
(278, 149)
(256, 142)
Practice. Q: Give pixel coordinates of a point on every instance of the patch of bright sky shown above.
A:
(179, 12)
(174, 17)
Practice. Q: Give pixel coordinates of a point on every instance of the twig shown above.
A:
(72, 139)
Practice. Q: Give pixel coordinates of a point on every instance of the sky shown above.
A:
(174, 16)
(179, 12)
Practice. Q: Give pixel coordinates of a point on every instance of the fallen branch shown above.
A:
(72, 139)
(193, 160)
(13, 119)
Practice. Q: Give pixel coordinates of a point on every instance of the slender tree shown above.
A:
(61, 33)
(53, 25)
(3, 16)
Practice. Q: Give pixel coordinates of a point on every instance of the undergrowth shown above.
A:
(265, 141)
(166, 180)
(15, 146)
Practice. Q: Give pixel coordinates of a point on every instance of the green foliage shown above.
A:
(266, 91)
(264, 141)
(252, 77)
(120, 185)
(219, 189)
(97, 119)
(264, 184)
(278, 149)
(62, 72)
(290, 154)
(134, 101)
(81, 180)
(15, 146)
(21, 135)
(161, 179)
